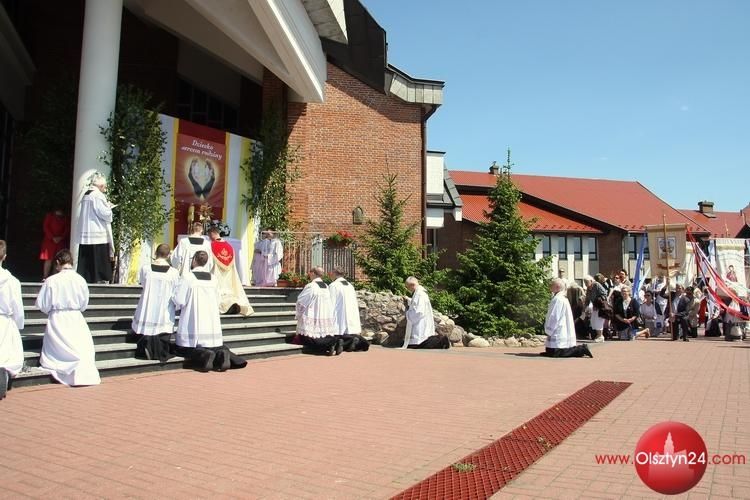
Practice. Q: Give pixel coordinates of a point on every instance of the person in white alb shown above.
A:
(199, 339)
(96, 246)
(258, 267)
(153, 320)
(182, 256)
(420, 322)
(315, 321)
(68, 349)
(11, 321)
(559, 326)
(346, 312)
(273, 255)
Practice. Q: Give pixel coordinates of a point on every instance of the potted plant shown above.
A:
(285, 279)
(340, 239)
(300, 280)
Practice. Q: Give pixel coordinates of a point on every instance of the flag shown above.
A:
(638, 277)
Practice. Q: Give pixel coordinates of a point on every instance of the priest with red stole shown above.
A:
(232, 296)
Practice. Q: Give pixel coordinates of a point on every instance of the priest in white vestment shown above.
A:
(96, 246)
(273, 254)
(11, 321)
(420, 322)
(199, 338)
(346, 312)
(154, 316)
(182, 255)
(258, 267)
(559, 326)
(315, 321)
(232, 295)
(68, 349)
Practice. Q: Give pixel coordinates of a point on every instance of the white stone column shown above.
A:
(97, 94)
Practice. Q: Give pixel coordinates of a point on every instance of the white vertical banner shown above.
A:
(730, 262)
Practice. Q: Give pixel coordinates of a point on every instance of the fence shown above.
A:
(303, 251)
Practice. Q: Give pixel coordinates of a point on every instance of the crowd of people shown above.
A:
(606, 308)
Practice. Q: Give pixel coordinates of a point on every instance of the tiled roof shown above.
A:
(627, 205)
(724, 224)
(475, 205)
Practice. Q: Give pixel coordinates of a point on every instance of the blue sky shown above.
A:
(651, 90)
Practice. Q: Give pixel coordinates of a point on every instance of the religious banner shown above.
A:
(199, 174)
(667, 248)
(730, 262)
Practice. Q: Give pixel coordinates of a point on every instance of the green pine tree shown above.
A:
(390, 254)
(499, 289)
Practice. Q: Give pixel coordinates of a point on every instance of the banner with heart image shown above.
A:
(199, 172)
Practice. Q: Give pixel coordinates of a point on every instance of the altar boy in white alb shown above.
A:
(315, 322)
(154, 316)
(68, 349)
(420, 322)
(182, 256)
(272, 252)
(199, 338)
(11, 320)
(346, 312)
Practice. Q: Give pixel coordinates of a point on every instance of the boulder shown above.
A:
(396, 338)
(456, 335)
(389, 327)
(444, 329)
(479, 342)
(468, 337)
(512, 342)
(527, 343)
(380, 338)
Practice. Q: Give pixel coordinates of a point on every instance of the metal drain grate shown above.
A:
(487, 470)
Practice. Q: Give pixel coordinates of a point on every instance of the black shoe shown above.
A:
(204, 361)
(685, 339)
(587, 351)
(221, 362)
(332, 350)
(339, 346)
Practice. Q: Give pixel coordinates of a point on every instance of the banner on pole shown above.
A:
(666, 243)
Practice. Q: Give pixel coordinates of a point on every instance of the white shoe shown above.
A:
(599, 339)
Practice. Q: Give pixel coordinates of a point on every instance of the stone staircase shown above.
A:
(110, 312)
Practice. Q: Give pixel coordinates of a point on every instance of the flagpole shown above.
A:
(669, 292)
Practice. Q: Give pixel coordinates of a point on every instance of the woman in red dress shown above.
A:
(56, 232)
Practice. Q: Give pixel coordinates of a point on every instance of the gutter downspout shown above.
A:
(425, 116)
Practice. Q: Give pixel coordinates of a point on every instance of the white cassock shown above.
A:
(559, 326)
(197, 297)
(345, 307)
(273, 254)
(68, 349)
(11, 321)
(155, 311)
(420, 323)
(258, 266)
(182, 255)
(315, 311)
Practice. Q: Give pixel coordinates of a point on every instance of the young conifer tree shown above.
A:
(499, 289)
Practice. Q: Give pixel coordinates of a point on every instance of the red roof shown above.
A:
(627, 205)
(475, 205)
(724, 225)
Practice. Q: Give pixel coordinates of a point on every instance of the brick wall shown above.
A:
(346, 146)
(452, 239)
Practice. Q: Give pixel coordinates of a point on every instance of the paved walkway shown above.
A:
(367, 425)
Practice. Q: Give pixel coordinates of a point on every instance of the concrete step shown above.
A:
(122, 350)
(33, 289)
(94, 311)
(114, 336)
(123, 322)
(34, 376)
(29, 299)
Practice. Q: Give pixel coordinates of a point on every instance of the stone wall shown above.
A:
(383, 317)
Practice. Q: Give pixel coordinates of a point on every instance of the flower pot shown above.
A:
(283, 283)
